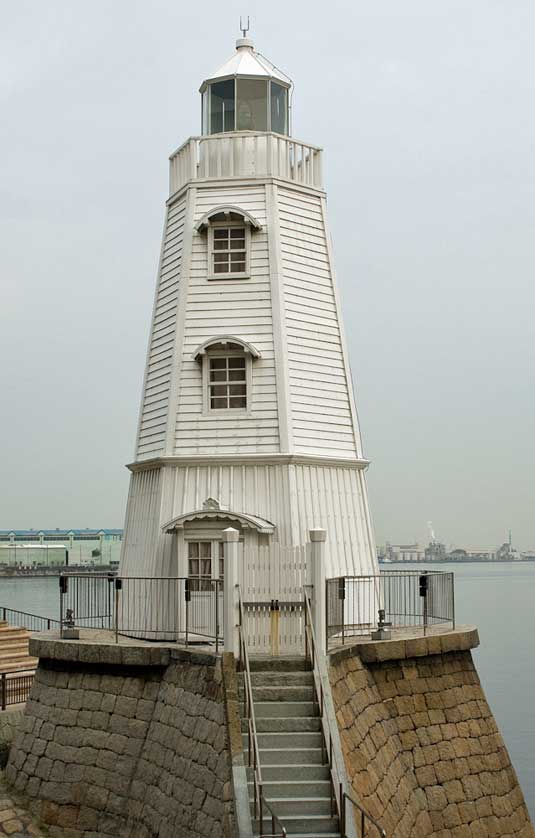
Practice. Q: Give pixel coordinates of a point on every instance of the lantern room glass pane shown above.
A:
(222, 106)
(279, 108)
(252, 106)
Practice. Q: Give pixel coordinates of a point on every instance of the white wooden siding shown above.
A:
(296, 498)
(320, 404)
(236, 307)
(153, 420)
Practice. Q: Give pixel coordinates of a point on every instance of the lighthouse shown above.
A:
(248, 416)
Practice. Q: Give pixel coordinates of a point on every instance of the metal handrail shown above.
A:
(259, 800)
(335, 775)
(5, 609)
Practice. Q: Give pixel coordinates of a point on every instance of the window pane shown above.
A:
(237, 262)
(279, 108)
(206, 549)
(220, 244)
(221, 257)
(218, 375)
(218, 363)
(221, 269)
(222, 106)
(219, 390)
(221, 233)
(237, 233)
(218, 404)
(237, 244)
(237, 401)
(206, 567)
(237, 389)
(235, 363)
(194, 567)
(252, 105)
(236, 375)
(193, 549)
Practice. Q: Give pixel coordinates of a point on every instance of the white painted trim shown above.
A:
(247, 347)
(238, 412)
(182, 297)
(248, 459)
(343, 342)
(279, 321)
(149, 340)
(246, 274)
(209, 183)
(227, 208)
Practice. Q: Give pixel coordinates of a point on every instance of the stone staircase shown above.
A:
(14, 656)
(293, 761)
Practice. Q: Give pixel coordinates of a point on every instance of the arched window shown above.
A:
(228, 231)
(227, 374)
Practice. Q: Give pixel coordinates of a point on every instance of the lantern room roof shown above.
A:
(249, 63)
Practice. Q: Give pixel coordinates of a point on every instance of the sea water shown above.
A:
(497, 598)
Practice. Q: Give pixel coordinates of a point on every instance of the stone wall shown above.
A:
(421, 746)
(10, 721)
(127, 750)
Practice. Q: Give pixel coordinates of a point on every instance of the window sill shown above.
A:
(225, 277)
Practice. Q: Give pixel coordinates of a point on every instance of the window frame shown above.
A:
(227, 225)
(212, 412)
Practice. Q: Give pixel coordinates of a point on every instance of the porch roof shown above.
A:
(244, 518)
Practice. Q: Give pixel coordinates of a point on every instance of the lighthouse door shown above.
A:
(206, 574)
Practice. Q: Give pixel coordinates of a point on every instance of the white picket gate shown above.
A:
(271, 580)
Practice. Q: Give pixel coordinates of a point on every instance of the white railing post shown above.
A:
(318, 538)
(230, 606)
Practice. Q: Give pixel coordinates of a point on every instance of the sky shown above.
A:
(425, 111)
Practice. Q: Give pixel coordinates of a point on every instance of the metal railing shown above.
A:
(259, 801)
(246, 154)
(411, 600)
(339, 796)
(15, 687)
(177, 609)
(22, 619)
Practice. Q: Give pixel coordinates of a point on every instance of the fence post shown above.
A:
(230, 621)
(317, 561)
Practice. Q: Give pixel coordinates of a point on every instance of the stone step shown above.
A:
(299, 807)
(285, 739)
(13, 654)
(302, 693)
(280, 773)
(297, 789)
(286, 709)
(291, 724)
(282, 679)
(19, 666)
(12, 631)
(8, 643)
(289, 756)
(286, 664)
(301, 825)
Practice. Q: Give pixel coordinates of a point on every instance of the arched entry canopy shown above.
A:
(246, 520)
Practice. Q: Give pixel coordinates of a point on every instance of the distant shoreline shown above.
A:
(460, 561)
(35, 573)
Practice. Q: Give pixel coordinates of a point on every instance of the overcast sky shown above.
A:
(426, 112)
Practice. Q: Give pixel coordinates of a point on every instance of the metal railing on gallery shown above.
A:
(22, 619)
(340, 797)
(403, 600)
(15, 687)
(175, 609)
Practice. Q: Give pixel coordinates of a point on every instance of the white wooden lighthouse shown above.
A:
(247, 414)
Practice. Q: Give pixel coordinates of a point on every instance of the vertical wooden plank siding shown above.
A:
(153, 416)
(319, 391)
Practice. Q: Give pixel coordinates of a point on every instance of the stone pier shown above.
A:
(422, 749)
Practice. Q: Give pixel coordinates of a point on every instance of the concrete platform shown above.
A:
(407, 643)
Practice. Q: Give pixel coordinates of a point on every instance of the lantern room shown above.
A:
(247, 93)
